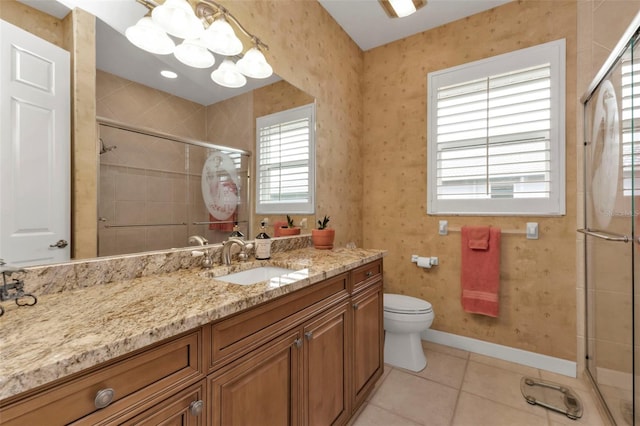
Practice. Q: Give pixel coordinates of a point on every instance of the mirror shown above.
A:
(232, 108)
(150, 195)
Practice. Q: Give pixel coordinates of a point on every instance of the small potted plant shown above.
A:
(289, 229)
(323, 237)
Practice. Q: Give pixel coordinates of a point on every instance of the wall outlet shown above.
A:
(414, 258)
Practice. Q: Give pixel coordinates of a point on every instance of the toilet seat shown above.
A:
(406, 305)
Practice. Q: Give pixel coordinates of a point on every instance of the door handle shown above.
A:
(609, 236)
(60, 244)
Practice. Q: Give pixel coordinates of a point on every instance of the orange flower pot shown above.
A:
(323, 238)
(285, 232)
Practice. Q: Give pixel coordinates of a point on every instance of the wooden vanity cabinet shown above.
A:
(185, 408)
(298, 377)
(368, 330)
(326, 349)
(307, 358)
(128, 386)
(325, 360)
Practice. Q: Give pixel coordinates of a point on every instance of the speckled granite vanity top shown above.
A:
(70, 331)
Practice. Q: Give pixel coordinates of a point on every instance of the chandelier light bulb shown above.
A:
(228, 76)
(194, 54)
(178, 19)
(148, 36)
(253, 64)
(221, 39)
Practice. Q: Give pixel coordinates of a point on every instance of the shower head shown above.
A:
(104, 149)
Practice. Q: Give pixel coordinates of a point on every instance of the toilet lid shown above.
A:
(399, 303)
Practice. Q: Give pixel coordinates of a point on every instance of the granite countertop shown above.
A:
(67, 332)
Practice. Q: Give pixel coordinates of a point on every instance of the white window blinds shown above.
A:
(496, 135)
(630, 125)
(285, 162)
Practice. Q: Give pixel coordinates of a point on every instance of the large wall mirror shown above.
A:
(158, 139)
(151, 192)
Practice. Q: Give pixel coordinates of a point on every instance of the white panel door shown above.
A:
(34, 148)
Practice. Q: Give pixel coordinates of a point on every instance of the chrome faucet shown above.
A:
(14, 288)
(226, 249)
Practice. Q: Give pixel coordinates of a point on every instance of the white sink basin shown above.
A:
(255, 275)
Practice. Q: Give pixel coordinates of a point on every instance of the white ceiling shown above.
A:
(364, 20)
(369, 26)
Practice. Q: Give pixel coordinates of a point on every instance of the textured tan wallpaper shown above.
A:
(309, 50)
(538, 277)
(42, 25)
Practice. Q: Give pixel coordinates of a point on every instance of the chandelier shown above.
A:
(203, 28)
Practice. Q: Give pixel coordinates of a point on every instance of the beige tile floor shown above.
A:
(460, 388)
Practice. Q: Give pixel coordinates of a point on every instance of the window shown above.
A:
(285, 163)
(496, 136)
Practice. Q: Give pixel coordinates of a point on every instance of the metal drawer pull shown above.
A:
(195, 408)
(604, 235)
(308, 335)
(298, 343)
(355, 306)
(104, 397)
(368, 274)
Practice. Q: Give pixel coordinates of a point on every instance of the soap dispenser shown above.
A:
(263, 244)
(236, 232)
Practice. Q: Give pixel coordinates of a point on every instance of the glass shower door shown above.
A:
(609, 248)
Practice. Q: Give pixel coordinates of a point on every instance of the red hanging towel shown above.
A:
(480, 270)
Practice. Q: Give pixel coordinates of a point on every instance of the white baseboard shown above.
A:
(506, 353)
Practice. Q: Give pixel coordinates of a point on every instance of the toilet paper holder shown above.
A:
(424, 262)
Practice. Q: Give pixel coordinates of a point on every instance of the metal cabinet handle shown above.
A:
(355, 306)
(60, 244)
(309, 335)
(368, 274)
(297, 343)
(104, 397)
(195, 408)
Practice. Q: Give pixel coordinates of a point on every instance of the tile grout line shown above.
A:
(455, 407)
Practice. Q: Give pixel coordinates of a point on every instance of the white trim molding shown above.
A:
(506, 353)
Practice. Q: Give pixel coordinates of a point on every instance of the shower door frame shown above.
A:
(107, 122)
(625, 43)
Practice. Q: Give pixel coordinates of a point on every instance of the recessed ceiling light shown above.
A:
(401, 8)
(168, 74)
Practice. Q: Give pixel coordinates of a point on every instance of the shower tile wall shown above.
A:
(144, 179)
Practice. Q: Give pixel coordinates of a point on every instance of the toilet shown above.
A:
(405, 318)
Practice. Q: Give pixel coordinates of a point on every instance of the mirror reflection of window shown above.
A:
(285, 163)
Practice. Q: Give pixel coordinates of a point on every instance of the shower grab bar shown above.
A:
(145, 224)
(604, 235)
(220, 222)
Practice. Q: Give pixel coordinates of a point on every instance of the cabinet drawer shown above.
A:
(137, 382)
(366, 274)
(243, 332)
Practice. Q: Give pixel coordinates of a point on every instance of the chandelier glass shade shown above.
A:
(204, 27)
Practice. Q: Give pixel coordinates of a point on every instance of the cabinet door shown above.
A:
(326, 360)
(186, 408)
(367, 341)
(261, 388)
